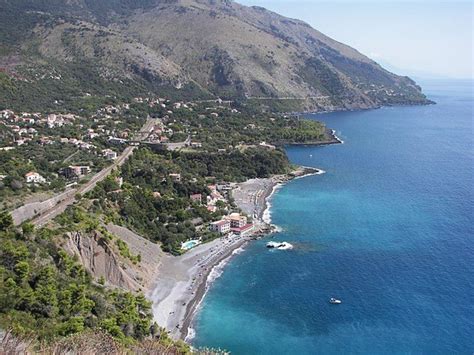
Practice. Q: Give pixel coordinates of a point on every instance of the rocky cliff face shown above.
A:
(198, 48)
(101, 258)
(101, 261)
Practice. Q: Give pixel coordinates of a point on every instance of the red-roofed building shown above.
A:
(212, 208)
(243, 231)
(196, 198)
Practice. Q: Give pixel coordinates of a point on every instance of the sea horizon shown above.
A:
(224, 298)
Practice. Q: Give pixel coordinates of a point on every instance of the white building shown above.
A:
(34, 178)
(109, 154)
(221, 227)
(176, 177)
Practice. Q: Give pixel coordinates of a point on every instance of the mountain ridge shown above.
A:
(201, 48)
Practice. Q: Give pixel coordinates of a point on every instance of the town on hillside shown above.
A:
(176, 159)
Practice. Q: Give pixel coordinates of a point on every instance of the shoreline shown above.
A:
(263, 228)
(183, 281)
(193, 306)
(331, 132)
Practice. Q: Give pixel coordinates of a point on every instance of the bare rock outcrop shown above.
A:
(99, 257)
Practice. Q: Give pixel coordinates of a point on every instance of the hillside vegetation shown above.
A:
(58, 50)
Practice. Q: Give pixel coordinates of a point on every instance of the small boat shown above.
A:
(335, 301)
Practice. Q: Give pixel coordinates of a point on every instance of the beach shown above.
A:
(182, 281)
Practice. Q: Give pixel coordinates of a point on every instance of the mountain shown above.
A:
(55, 50)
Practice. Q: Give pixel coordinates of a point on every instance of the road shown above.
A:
(146, 129)
(70, 198)
(321, 97)
(178, 145)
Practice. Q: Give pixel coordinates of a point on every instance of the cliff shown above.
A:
(102, 258)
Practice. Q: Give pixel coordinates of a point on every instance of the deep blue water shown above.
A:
(388, 229)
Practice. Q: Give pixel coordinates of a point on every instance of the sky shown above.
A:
(423, 38)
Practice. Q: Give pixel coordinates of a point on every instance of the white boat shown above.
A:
(335, 301)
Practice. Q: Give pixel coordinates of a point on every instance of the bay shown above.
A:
(388, 230)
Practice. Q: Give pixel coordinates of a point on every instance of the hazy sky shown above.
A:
(418, 37)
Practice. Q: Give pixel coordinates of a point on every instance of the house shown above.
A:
(109, 154)
(75, 171)
(196, 198)
(221, 227)
(45, 140)
(124, 134)
(34, 178)
(54, 121)
(196, 145)
(237, 221)
(175, 177)
(224, 187)
(211, 208)
(266, 145)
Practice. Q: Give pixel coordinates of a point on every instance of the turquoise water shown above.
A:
(388, 230)
(189, 244)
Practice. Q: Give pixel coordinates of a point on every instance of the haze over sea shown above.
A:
(388, 230)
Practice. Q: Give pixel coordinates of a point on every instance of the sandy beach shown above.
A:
(182, 281)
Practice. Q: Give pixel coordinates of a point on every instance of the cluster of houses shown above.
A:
(70, 172)
(159, 133)
(52, 120)
(164, 103)
(78, 143)
(215, 196)
(22, 131)
(234, 223)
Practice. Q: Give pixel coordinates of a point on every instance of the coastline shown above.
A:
(183, 281)
(333, 140)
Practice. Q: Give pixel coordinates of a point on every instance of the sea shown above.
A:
(388, 230)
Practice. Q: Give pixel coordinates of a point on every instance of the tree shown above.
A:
(27, 229)
(6, 221)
